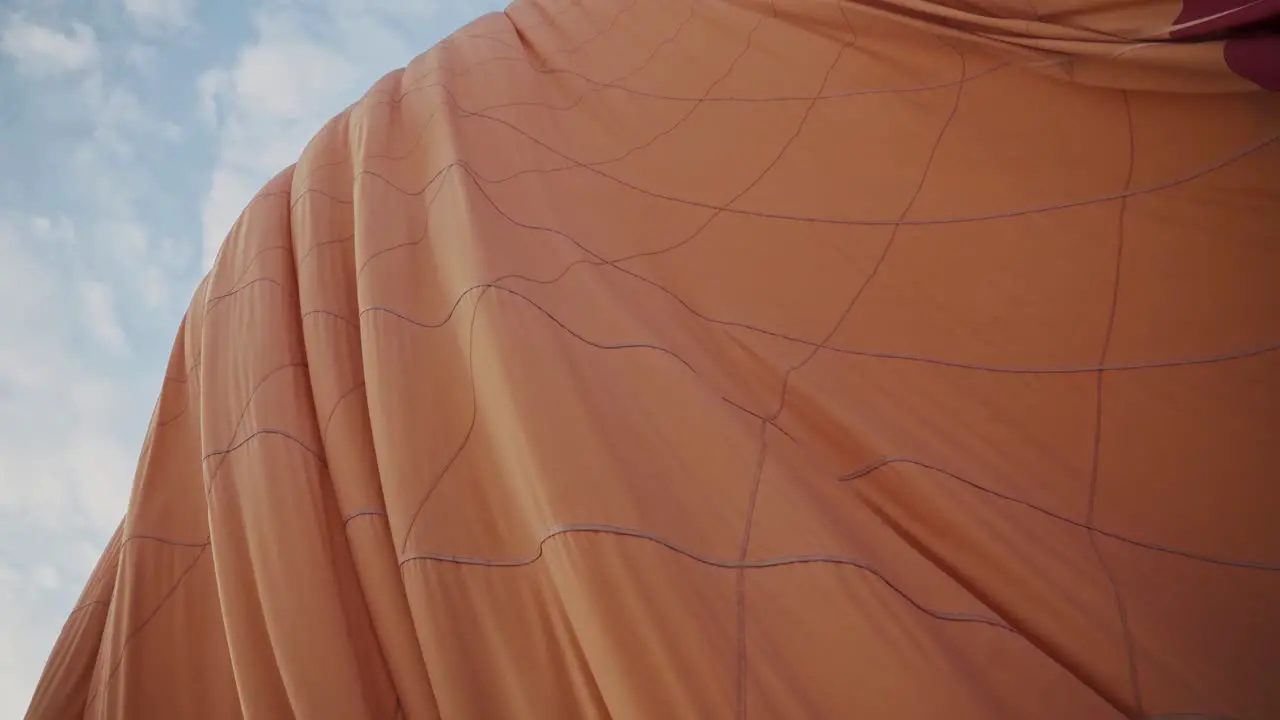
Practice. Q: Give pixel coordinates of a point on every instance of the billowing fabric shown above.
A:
(733, 359)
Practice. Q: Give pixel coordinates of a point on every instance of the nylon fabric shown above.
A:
(732, 359)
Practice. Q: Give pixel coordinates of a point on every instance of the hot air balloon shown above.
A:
(732, 359)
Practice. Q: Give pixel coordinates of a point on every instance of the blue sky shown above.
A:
(132, 132)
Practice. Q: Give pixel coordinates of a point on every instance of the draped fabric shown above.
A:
(732, 359)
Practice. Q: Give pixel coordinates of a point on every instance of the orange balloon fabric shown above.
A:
(733, 359)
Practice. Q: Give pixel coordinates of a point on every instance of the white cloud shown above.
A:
(210, 87)
(275, 97)
(103, 468)
(159, 16)
(288, 78)
(17, 675)
(142, 57)
(56, 233)
(56, 406)
(45, 577)
(154, 286)
(98, 304)
(117, 114)
(233, 185)
(148, 261)
(66, 462)
(41, 50)
(34, 587)
(110, 185)
(131, 251)
(25, 282)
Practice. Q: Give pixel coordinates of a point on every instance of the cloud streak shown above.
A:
(42, 51)
(98, 303)
(160, 16)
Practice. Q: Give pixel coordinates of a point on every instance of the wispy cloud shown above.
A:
(98, 304)
(41, 50)
(211, 85)
(142, 57)
(267, 105)
(77, 258)
(160, 16)
(65, 459)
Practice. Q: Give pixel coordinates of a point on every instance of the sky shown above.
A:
(132, 133)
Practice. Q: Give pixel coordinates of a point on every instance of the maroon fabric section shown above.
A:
(1199, 9)
(1256, 58)
(1252, 46)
